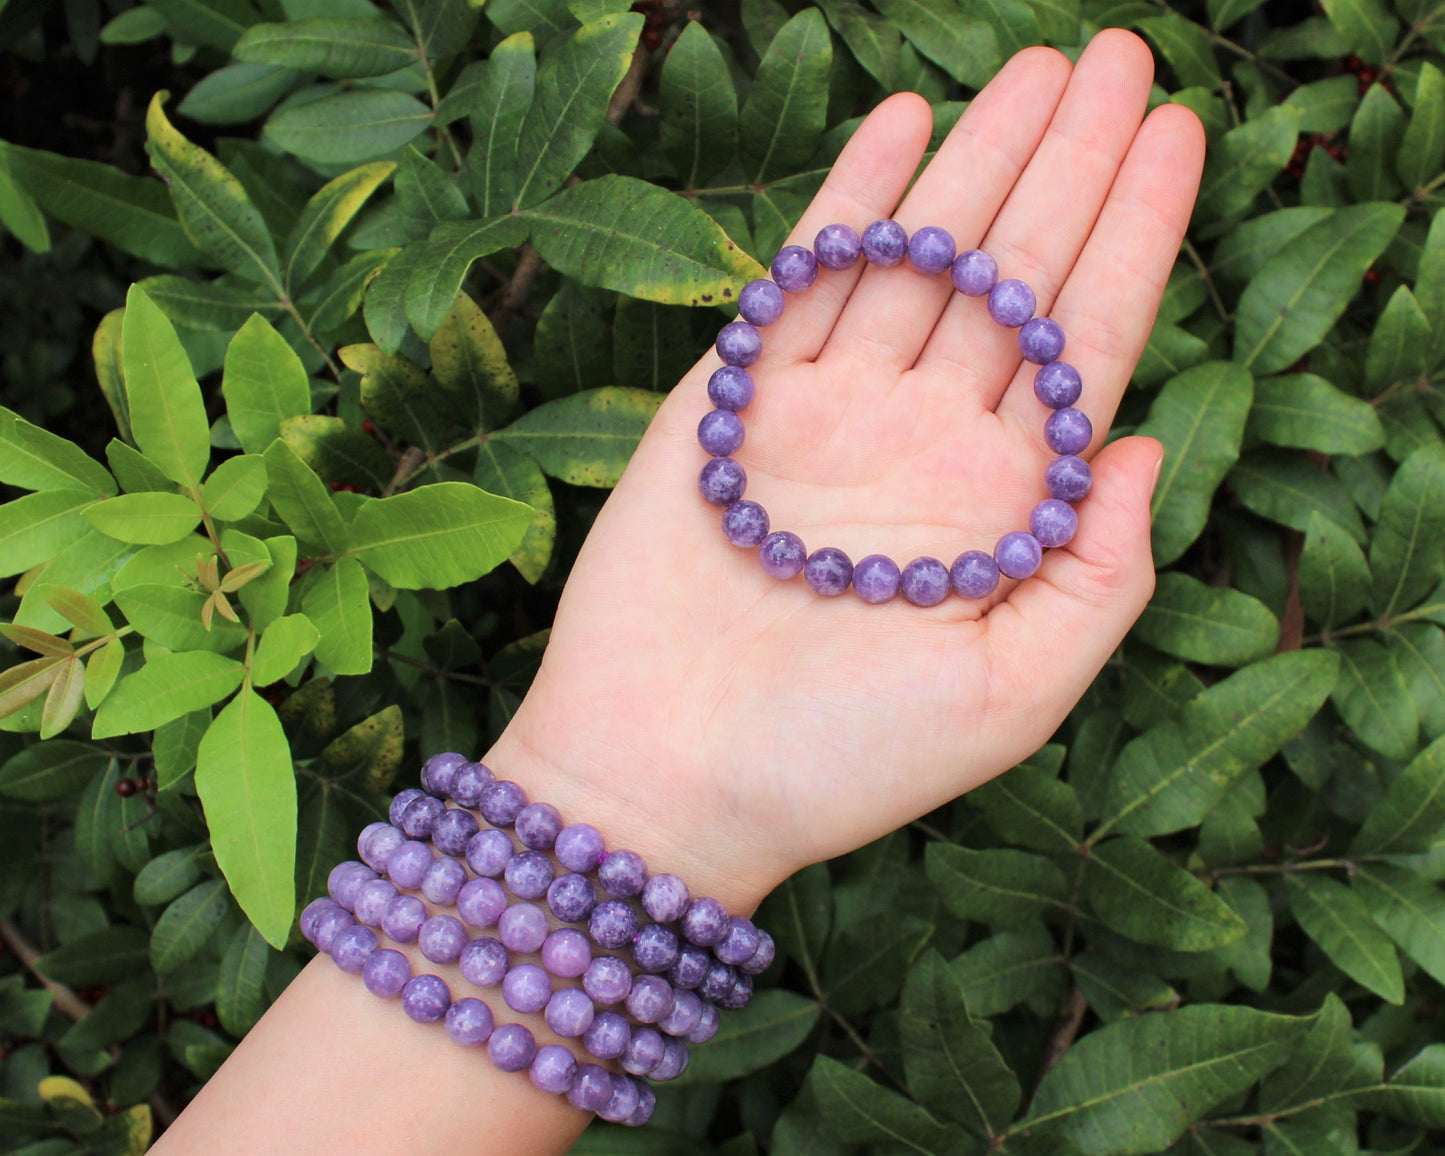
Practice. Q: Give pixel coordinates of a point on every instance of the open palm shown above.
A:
(892, 416)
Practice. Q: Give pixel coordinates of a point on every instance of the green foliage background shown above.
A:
(410, 285)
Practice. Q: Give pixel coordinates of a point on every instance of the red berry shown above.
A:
(367, 427)
(125, 788)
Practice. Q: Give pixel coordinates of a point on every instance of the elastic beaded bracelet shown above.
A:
(877, 578)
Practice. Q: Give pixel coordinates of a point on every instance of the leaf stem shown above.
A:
(1198, 262)
(455, 676)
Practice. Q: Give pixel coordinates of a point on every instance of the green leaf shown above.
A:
(235, 488)
(1243, 250)
(574, 341)
(165, 688)
(1209, 624)
(341, 295)
(208, 305)
(1306, 412)
(785, 112)
(442, 264)
(859, 1111)
(1289, 488)
(346, 128)
(1399, 345)
(213, 23)
(35, 459)
(303, 502)
(1407, 553)
(100, 957)
(336, 48)
(1325, 105)
(19, 213)
(1419, 651)
(166, 876)
(186, 924)
(236, 93)
(1137, 892)
(799, 912)
(241, 988)
(1291, 303)
(1199, 416)
(1244, 161)
(51, 771)
(247, 785)
(438, 536)
(1430, 285)
(425, 195)
(1412, 814)
(371, 752)
(171, 616)
(967, 50)
(1001, 887)
(470, 363)
(167, 415)
(1337, 920)
(1366, 26)
(1372, 698)
(286, 642)
(121, 1013)
(773, 1025)
(338, 451)
(865, 963)
(1114, 992)
(326, 215)
(1410, 910)
(1417, 1091)
(504, 96)
(35, 528)
(1000, 972)
(1029, 807)
(265, 597)
(145, 519)
(1334, 578)
(1422, 151)
(442, 28)
(397, 395)
(585, 439)
(654, 344)
(503, 470)
(1186, 46)
(1328, 1062)
(1376, 133)
(698, 124)
(338, 604)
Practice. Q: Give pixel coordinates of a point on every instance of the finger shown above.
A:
(1107, 307)
(890, 314)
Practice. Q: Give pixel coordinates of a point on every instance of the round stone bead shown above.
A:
(608, 1035)
(484, 961)
(691, 966)
(644, 1051)
(625, 1098)
(884, 243)
(931, 249)
(738, 942)
(425, 998)
(650, 999)
(761, 302)
(876, 578)
(329, 926)
(314, 911)
(528, 875)
(675, 1058)
(386, 972)
(537, 826)
(612, 923)
(488, 852)
(1068, 478)
(665, 898)
(782, 554)
(607, 980)
(1053, 522)
(420, 816)
(739, 343)
(730, 387)
(718, 981)
(345, 881)
(794, 268)
(403, 918)
(471, 779)
(502, 802)
(438, 771)
(623, 874)
(372, 900)
(974, 574)
(382, 844)
(580, 847)
(553, 1069)
(481, 902)
(1068, 431)
(1058, 384)
(1011, 303)
(924, 582)
(453, 830)
(408, 863)
(363, 839)
(837, 247)
(722, 481)
(399, 804)
(527, 988)
(828, 571)
(762, 958)
(591, 1088)
(511, 1047)
(707, 1026)
(737, 998)
(442, 938)
(469, 1022)
(443, 881)
(646, 1105)
(974, 273)
(522, 927)
(745, 523)
(705, 922)
(566, 953)
(571, 898)
(1041, 340)
(720, 432)
(569, 1012)
(1018, 554)
(685, 1014)
(654, 948)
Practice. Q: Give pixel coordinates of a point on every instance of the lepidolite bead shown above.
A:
(931, 249)
(665, 898)
(884, 243)
(974, 574)
(408, 863)
(745, 523)
(371, 901)
(718, 981)
(782, 554)
(425, 998)
(974, 273)
(675, 1058)
(876, 578)
(650, 999)
(722, 481)
(1068, 478)
(654, 948)
(438, 771)
(553, 1069)
(761, 302)
(403, 918)
(646, 1105)
(707, 1026)
(352, 947)
(607, 980)
(738, 942)
(469, 1022)
(685, 1014)
(738, 996)
(385, 973)
(399, 804)
(469, 782)
(625, 1097)
(566, 953)
(314, 911)
(488, 853)
(720, 432)
(730, 387)
(569, 1012)
(484, 961)
(1041, 340)
(591, 1088)
(1018, 554)
(612, 923)
(794, 268)
(511, 1047)
(837, 247)
(1011, 303)
(828, 571)
(1068, 431)
(481, 902)
(1053, 522)
(924, 582)
(502, 802)
(328, 926)
(580, 847)
(1058, 384)
(442, 938)
(644, 1051)
(623, 874)
(443, 881)
(522, 927)
(381, 845)
(705, 922)
(608, 1036)
(347, 880)
(454, 829)
(528, 875)
(571, 898)
(762, 958)
(537, 826)
(527, 988)
(691, 966)
(739, 343)
(420, 816)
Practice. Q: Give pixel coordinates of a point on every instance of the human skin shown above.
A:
(732, 728)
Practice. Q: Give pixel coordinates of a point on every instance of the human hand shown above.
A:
(734, 728)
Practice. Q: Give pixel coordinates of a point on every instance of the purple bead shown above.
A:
(1011, 303)
(566, 953)
(371, 901)
(974, 273)
(745, 523)
(691, 966)
(924, 582)
(537, 826)
(403, 918)
(876, 578)
(346, 880)
(685, 1015)
(607, 980)
(624, 873)
(761, 302)
(502, 802)
(705, 922)
(381, 845)
(654, 948)
(443, 881)
(580, 847)
(488, 852)
(707, 1026)
(591, 1088)
(511, 1047)
(1068, 431)
(646, 1105)
(722, 481)
(329, 926)
(553, 1069)
(1041, 340)
(408, 863)
(1057, 384)
(1018, 554)
(884, 243)
(739, 942)
(365, 837)
(644, 1051)
(675, 1058)
(931, 249)
(974, 574)
(794, 268)
(442, 938)
(529, 875)
(469, 1022)
(484, 961)
(569, 1012)
(828, 571)
(626, 1095)
(730, 387)
(481, 902)
(438, 771)
(665, 898)
(386, 972)
(650, 999)
(1068, 478)
(718, 981)
(720, 432)
(527, 988)
(420, 816)
(612, 923)
(762, 958)
(314, 911)
(352, 947)
(837, 247)
(1053, 522)
(782, 554)
(571, 898)
(453, 830)
(398, 806)
(608, 1036)
(470, 780)
(739, 343)
(737, 998)
(522, 927)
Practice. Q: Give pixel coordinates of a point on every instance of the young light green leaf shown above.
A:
(1136, 891)
(772, 1026)
(349, 127)
(337, 48)
(167, 415)
(786, 109)
(145, 519)
(1407, 553)
(967, 50)
(1304, 411)
(699, 106)
(286, 642)
(303, 502)
(165, 688)
(585, 439)
(859, 1111)
(1410, 910)
(171, 616)
(1376, 133)
(36, 527)
(337, 603)
(1334, 578)
(1337, 920)
(186, 924)
(235, 487)
(36, 459)
(1001, 887)
(503, 99)
(326, 214)
(1243, 163)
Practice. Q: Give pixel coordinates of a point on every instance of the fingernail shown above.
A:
(1154, 481)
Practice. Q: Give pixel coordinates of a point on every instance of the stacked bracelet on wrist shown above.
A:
(654, 965)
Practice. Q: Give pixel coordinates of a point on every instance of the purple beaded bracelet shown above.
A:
(877, 578)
